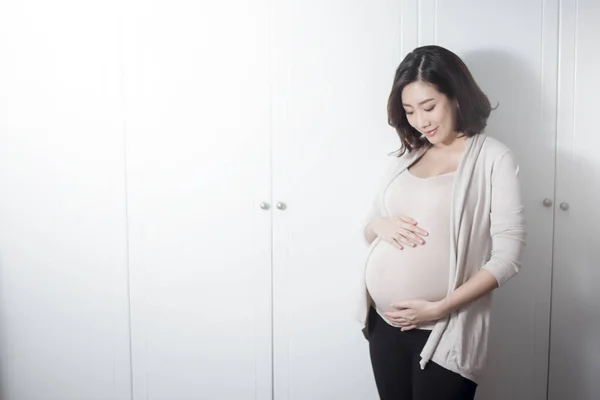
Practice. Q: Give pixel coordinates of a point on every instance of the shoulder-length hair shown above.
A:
(450, 76)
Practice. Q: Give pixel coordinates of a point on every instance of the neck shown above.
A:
(454, 141)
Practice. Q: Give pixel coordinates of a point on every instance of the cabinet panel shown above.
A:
(575, 343)
(198, 132)
(334, 64)
(64, 328)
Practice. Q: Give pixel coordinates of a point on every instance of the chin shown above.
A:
(439, 139)
(434, 139)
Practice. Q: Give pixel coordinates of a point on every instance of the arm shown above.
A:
(508, 233)
(480, 284)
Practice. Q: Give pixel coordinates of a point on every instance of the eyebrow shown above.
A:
(421, 103)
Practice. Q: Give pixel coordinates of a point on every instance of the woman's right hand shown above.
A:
(399, 231)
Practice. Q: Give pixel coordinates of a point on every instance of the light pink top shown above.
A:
(414, 273)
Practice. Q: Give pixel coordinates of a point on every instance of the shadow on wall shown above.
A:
(525, 121)
(3, 336)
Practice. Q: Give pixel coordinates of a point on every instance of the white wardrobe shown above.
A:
(183, 185)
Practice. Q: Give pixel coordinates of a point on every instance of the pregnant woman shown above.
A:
(445, 230)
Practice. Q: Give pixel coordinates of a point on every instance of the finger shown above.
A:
(419, 231)
(396, 243)
(412, 225)
(413, 228)
(408, 230)
(416, 238)
(394, 315)
(405, 320)
(398, 317)
(407, 219)
(402, 239)
(402, 305)
(408, 328)
(400, 322)
(411, 237)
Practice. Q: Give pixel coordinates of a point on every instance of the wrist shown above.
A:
(377, 221)
(444, 307)
(376, 224)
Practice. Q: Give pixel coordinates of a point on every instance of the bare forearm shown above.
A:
(481, 283)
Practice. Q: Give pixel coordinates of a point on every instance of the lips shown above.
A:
(430, 133)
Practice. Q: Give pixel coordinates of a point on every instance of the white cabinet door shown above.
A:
(511, 48)
(575, 342)
(334, 63)
(198, 133)
(64, 328)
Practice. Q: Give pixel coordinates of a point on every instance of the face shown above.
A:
(430, 112)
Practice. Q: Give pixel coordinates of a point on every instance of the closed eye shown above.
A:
(426, 109)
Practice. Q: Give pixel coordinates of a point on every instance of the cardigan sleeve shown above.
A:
(507, 223)
(374, 212)
(390, 168)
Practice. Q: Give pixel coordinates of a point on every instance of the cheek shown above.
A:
(411, 119)
(443, 116)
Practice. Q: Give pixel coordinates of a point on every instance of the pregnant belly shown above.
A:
(413, 273)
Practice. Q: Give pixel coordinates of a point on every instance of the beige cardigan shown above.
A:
(487, 231)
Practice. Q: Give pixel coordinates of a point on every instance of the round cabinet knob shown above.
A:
(547, 203)
(564, 206)
(265, 206)
(281, 206)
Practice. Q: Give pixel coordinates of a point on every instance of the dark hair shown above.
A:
(449, 74)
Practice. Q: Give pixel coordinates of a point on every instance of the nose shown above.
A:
(422, 121)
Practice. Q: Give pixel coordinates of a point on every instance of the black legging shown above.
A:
(398, 376)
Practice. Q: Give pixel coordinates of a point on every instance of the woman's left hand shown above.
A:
(410, 314)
